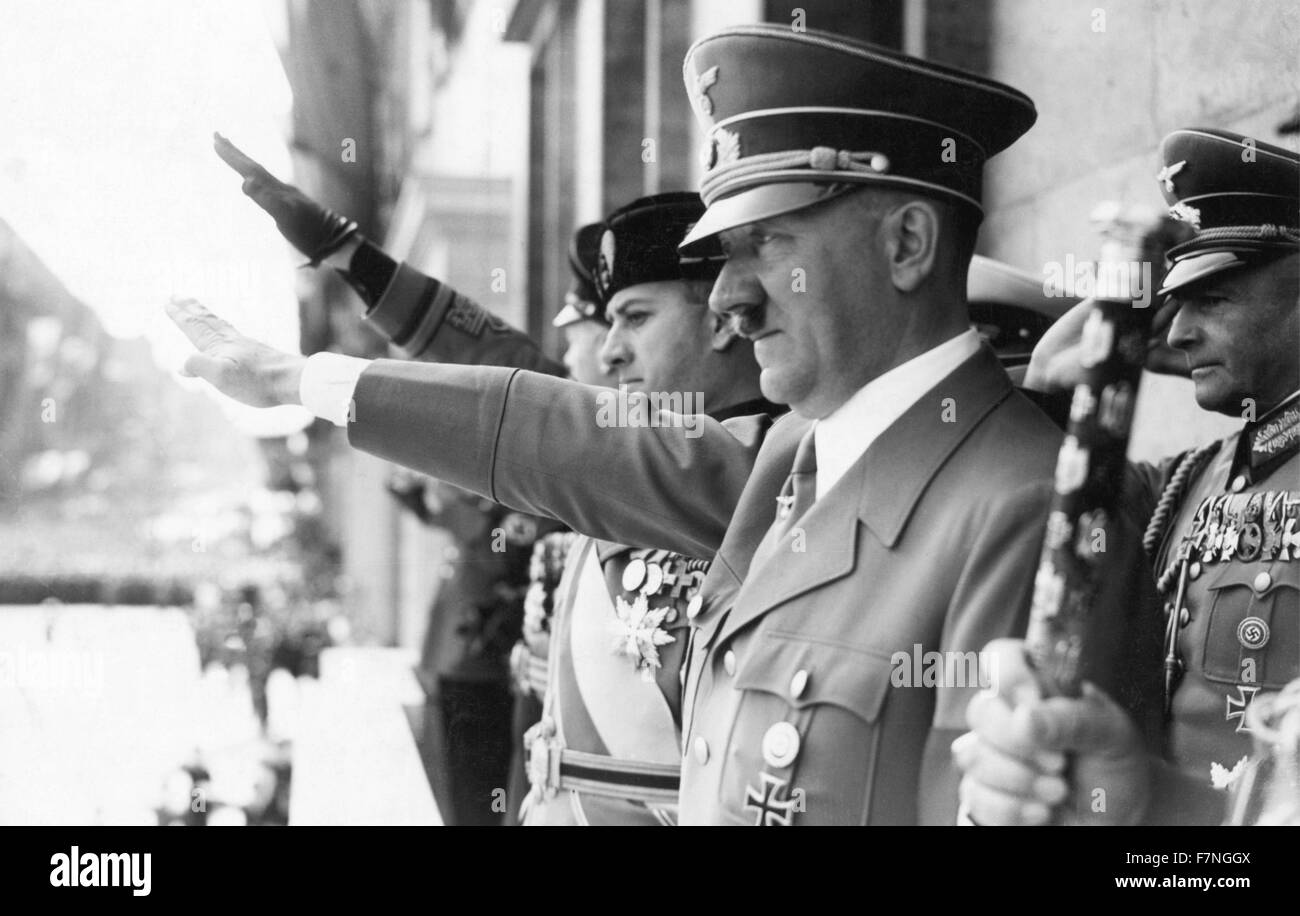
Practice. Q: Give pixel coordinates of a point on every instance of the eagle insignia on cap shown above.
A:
(1185, 213)
(700, 96)
(1167, 174)
(605, 263)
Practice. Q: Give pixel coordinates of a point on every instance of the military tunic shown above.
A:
(1236, 634)
(619, 637)
(618, 634)
(929, 542)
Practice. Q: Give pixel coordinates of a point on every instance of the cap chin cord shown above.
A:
(1266, 233)
(819, 159)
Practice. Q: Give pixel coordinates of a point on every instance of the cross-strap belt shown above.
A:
(553, 768)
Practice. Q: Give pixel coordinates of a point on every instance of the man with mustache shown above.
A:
(895, 514)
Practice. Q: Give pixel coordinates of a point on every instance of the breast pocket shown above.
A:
(806, 744)
(1253, 634)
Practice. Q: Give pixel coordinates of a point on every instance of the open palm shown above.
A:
(240, 367)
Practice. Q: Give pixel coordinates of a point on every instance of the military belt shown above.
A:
(553, 768)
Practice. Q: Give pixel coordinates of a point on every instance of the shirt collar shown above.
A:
(842, 437)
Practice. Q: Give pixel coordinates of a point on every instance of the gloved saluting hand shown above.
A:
(314, 230)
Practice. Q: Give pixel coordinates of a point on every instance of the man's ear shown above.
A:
(911, 236)
(724, 333)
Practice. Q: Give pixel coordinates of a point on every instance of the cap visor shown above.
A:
(1198, 267)
(753, 204)
(996, 282)
(567, 316)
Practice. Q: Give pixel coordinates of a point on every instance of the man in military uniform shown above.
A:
(664, 339)
(1223, 519)
(897, 511)
(607, 750)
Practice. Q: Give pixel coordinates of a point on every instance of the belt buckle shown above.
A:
(543, 758)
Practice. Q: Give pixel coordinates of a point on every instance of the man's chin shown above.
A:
(775, 387)
(1212, 396)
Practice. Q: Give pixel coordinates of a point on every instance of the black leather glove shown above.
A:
(314, 230)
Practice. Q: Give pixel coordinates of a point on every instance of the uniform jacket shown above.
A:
(601, 699)
(621, 629)
(1240, 637)
(928, 544)
(603, 696)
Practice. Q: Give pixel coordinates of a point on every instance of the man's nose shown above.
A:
(1183, 331)
(738, 297)
(614, 351)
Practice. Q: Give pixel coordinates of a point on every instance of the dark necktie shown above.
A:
(800, 490)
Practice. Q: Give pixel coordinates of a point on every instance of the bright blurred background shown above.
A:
(151, 563)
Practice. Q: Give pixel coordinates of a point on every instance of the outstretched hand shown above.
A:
(314, 230)
(242, 368)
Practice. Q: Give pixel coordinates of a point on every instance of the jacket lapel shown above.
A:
(881, 490)
(817, 550)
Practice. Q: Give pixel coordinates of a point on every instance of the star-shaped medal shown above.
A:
(640, 633)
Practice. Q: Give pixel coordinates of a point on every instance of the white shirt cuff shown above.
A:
(328, 383)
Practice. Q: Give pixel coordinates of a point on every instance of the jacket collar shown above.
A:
(922, 440)
(873, 492)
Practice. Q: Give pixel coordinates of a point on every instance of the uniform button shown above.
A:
(694, 606)
(798, 683)
(701, 751)
(1238, 483)
(1183, 616)
(1195, 570)
(633, 575)
(729, 662)
(780, 745)
(671, 616)
(1262, 582)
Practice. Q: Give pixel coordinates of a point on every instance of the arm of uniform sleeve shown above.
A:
(427, 320)
(1143, 483)
(1122, 640)
(991, 600)
(539, 445)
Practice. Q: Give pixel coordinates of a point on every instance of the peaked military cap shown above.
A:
(582, 301)
(1012, 310)
(1241, 196)
(640, 242)
(793, 118)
